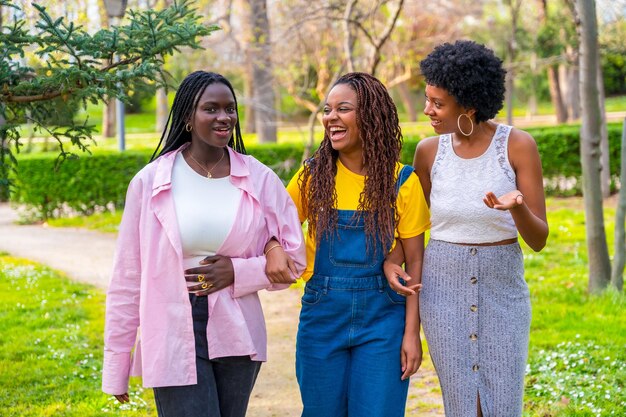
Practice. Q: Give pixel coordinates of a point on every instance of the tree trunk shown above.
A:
(532, 94)
(308, 148)
(407, 100)
(265, 98)
(508, 94)
(31, 137)
(565, 87)
(378, 44)
(555, 94)
(162, 109)
(108, 119)
(5, 155)
(512, 52)
(617, 274)
(573, 99)
(573, 81)
(604, 139)
(347, 40)
(248, 93)
(245, 14)
(599, 263)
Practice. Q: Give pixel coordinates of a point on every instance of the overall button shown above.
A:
(473, 251)
(475, 368)
(473, 280)
(473, 336)
(473, 308)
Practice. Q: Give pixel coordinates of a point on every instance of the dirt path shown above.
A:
(86, 256)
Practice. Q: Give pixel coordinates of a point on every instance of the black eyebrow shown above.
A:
(340, 103)
(204, 103)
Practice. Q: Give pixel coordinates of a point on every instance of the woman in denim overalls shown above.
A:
(358, 341)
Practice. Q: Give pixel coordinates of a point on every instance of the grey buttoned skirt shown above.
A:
(475, 311)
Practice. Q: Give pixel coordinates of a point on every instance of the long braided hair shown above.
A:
(379, 127)
(185, 103)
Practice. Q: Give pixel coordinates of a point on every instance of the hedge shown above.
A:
(77, 185)
(559, 148)
(89, 183)
(48, 189)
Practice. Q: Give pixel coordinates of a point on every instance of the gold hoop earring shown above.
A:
(188, 127)
(458, 124)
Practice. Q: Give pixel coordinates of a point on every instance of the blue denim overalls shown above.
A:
(351, 329)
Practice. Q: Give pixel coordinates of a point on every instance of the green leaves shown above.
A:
(75, 66)
(72, 54)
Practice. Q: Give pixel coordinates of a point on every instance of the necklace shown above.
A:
(208, 171)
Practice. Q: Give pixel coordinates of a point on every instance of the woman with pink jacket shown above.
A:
(182, 306)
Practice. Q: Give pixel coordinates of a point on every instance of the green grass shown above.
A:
(103, 222)
(614, 104)
(611, 104)
(577, 363)
(51, 347)
(134, 122)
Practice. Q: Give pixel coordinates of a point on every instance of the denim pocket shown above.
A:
(311, 295)
(394, 297)
(349, 247)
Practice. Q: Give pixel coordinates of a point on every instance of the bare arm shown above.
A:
(529, 210)
(422, 162)
(279, 267)
(411, 355)
(393, 272)
(425, 153)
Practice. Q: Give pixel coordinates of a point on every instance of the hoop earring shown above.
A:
(458, 124)
(188, 127)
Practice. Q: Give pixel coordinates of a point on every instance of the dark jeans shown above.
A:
(224, 384)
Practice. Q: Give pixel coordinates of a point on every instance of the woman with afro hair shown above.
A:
(358, 341)
(484, 185)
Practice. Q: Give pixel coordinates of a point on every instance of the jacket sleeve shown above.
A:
(281, 218)
(122, 301)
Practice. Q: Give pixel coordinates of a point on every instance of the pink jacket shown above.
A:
(148, 291)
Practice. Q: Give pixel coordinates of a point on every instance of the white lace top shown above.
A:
(458, 213)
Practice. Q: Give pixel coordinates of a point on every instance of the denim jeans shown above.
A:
(224, 384)
(348, 348)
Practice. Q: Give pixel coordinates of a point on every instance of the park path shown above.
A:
(87, 256)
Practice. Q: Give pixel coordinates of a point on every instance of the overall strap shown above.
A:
(405, 173)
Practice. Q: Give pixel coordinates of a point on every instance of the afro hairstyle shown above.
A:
(469, 72)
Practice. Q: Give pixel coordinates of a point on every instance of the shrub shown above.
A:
(92, 183)
(77, 185)
(559, 148)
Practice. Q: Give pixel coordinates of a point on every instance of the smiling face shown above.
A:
(215, 116)
(340, 119)
(442, 109)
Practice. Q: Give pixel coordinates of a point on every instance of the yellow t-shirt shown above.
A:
(413, 214)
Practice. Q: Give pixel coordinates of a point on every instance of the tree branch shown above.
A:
(391, 24)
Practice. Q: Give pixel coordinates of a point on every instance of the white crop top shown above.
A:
(205, 210)
(458, 213)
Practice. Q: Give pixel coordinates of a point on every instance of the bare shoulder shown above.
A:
(425, 152)
(428, 144)
(523, 151)
(520, 140)
(427, 148)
